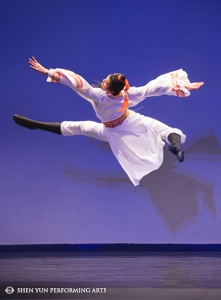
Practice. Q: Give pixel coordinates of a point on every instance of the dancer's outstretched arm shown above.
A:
(69, 78)
(175, 83)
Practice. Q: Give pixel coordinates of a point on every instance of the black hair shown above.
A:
(115, 85)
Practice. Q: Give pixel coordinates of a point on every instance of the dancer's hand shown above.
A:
(194, 85)
(37, 67)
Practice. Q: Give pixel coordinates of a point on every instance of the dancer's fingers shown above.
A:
(194, 85)
(31, 61)
(34, 59)
(34, 66)
(200, 84)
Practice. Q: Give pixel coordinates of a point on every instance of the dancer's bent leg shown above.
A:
(32, 124)
(175, 141)
(173, 136)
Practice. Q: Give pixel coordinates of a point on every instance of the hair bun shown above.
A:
(121, 78)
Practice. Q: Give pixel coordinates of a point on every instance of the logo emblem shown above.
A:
(9, 290)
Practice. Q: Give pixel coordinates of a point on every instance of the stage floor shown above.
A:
(94, 275)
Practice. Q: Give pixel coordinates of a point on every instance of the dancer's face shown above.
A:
(105, 83)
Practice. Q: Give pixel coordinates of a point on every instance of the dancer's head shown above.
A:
(114, 83)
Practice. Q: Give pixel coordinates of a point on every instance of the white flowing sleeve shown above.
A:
(75, 82)
(172, 83)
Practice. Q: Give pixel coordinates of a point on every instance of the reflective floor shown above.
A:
(111, 275)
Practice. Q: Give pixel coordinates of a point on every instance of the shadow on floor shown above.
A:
(174, 190)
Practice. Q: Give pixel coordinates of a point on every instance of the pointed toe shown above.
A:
(180, 156)
(178, 152)
(24, 122)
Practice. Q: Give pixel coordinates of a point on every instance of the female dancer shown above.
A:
(136, 140)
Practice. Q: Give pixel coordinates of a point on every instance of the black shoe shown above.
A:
(180, 156)
(25, 122)
(53, 127)
(178, 152)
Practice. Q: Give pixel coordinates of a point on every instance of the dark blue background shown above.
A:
(72, 190)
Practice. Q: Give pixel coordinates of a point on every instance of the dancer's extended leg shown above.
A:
(67, 128)
(32, 124)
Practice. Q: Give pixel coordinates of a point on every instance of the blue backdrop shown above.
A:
(56, 189)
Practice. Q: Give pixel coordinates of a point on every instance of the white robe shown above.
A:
(136, 144)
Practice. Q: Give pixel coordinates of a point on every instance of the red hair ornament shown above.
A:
(126, 88)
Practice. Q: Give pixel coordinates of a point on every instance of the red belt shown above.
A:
(117, 121)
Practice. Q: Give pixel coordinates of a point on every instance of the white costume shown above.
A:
(137, 142)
